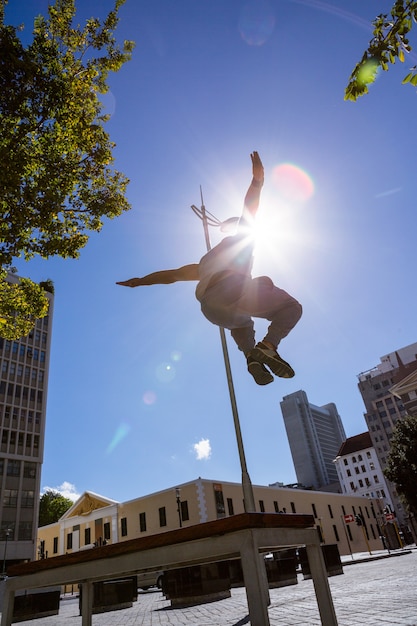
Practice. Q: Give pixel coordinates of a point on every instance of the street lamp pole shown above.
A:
(7, 533)
(248, 496)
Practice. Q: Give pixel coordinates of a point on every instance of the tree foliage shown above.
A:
(52, 507)
(401, 468)
(21, 304)
(57, 181)
(389, 42)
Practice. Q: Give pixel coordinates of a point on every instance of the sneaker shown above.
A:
(259, 372)
(265, 355)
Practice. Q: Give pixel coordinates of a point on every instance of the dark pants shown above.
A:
(232, 302)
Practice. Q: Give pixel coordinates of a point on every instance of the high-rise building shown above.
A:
(24, 367)
(315, 434)
(384, 408)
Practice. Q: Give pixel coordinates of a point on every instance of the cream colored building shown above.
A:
(94, 519)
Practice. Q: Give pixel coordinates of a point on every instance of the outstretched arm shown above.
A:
(164, 277)
(254, 192)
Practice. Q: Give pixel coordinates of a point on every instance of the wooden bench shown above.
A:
(244, 536)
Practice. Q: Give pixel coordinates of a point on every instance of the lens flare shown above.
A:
(165, 372)
(256, 22)
(149, 397)
(293, 183)
(121, 432)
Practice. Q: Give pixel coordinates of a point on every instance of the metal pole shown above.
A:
(5, 552)
(248, 496)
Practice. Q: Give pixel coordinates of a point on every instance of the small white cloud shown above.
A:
(68, 490)
(202, 450)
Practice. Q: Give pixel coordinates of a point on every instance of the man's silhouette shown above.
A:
(230, 297)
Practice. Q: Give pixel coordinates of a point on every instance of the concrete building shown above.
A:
(94, 519)
(315, 434)
(359, 470)
(384, 408)
(24, 367)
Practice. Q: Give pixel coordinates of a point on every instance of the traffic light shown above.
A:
(358, 520)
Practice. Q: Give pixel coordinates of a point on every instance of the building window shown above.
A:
(219, 500)
(261, 506)
(69, 541)
(276, 507)
(363, 468)
(87, 536)
(359, 457)
(230, 508)
(25, 531)
(184, 510)
(352, 486)
(162, 516)
(106, 530)
(367, 481)
(348, 472)
(142, 522)
(29, 470)
(313, 506)
(13, 468)
(357, 470)
(123, 524)
(349, 532)
(28, 499)
(336, 534)
(55, 549)
(330, 510)
(360, 482)
(10, 497)
(354, 459)
(345, 461)
(292, 507)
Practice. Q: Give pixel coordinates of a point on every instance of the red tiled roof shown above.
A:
(355, 444)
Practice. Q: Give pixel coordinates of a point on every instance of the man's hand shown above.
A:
(257, 167)
(132, 282)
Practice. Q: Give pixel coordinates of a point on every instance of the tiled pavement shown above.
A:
(375, 593)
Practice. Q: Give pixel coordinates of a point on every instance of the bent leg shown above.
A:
(283, 322)
(263, 299)
(244, 337)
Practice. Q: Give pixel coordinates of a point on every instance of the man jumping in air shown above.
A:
(230, 297)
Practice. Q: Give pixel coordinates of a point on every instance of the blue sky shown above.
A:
(138, 399)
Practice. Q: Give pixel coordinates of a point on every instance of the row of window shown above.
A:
(8, 528)
(20, 392)
(27, 416)
(13, 468)
(183, 515)
(87, 537)
(368, 483)
(358, 459)
(16, 348)
(10, 498)
(362, 468)
(24, 442)
(19, 371)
